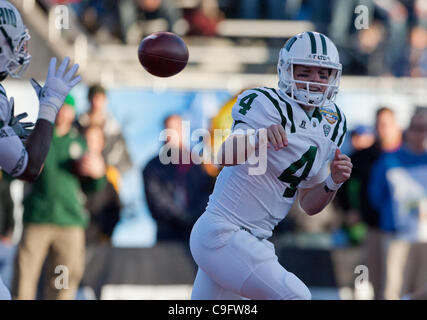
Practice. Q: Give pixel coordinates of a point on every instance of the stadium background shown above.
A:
(228, 52)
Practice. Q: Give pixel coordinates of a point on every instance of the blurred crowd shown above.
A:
(383, 204)
(73, 204)
(385, 37)
(382, 209)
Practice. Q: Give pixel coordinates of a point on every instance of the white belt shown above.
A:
(258, 233)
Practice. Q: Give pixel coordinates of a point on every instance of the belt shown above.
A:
(259, 235)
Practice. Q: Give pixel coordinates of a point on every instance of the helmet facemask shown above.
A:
(305, 96)
(14, 56)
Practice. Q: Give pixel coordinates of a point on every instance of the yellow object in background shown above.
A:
(223, 120)
(113, 176)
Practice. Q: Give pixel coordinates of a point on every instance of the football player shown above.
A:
(304, 130)
(23, 151)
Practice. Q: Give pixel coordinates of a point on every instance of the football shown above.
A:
(163, 54)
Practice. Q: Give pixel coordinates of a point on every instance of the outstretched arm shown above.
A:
(51, 97)
(239, 146)
(37, 146)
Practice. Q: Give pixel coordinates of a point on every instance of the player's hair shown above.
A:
(94, 89)
(172, 115)
(381, 110)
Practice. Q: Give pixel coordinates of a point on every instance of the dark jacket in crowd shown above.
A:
(354, 193)
(176, 196)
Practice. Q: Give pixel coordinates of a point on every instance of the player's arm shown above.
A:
(37, 146)
(237, 148)
(51, 98)
(314, 200)
(255, 126)
(240, 145)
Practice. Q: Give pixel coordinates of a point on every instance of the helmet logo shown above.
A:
(7, 16)
(319, 57)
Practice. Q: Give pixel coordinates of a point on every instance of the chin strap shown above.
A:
(306, 97)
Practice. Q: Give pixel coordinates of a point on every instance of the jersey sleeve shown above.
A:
(253, 110)
(13, 156)
(340, 129)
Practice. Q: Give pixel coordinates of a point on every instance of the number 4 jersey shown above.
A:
(260, 202)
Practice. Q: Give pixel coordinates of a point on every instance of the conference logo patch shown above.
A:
(330, 115)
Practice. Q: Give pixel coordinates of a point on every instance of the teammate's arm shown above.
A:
(51, 98)
(37, 146)
(315, 199)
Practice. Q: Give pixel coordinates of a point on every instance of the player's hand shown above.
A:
(22, 129)
(341, 167)
(58, 84)
(92, 165)
(276, 135)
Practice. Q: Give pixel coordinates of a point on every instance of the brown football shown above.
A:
(163, 54)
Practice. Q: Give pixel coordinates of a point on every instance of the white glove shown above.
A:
(22, 129)
(56, 88)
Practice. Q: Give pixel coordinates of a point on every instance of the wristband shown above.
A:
(47, 113)
(331, 185)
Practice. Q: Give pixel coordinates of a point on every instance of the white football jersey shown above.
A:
(260, 202)
(13, 155)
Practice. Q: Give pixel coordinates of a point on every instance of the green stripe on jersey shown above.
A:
(317, 115)
(2, 91)
(288, 109)
(334, 136)
(237, 122)
(313, 43)
(324, 47)
(343, 134)
(275, 104)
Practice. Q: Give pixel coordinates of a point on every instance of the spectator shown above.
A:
(398, 189)
(54, 214)
(368, 57)
(353, 231)
(176, 193)
(342, 19)
(400, 18)
(362, 137)
(100, 18)
(103, 205)
(204, 18)
(267, 9)
(353, 197)
(414, 58)
(132, 13)
(115, 151)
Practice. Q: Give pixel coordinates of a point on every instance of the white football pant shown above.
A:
(234, 264)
